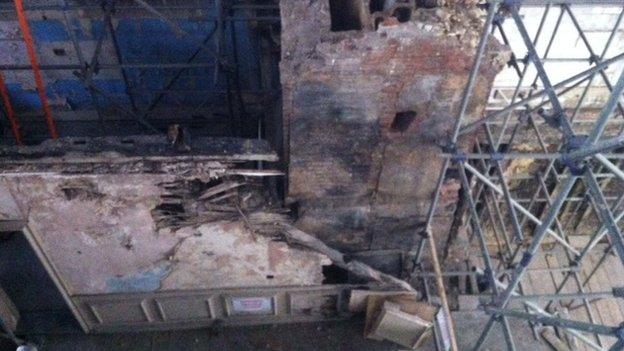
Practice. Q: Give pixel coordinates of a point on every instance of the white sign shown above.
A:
(252, 305)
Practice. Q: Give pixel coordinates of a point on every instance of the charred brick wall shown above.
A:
(369, 90)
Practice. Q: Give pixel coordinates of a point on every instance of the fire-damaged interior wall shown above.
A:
(101, 234)
(370, 88)
(111, 222)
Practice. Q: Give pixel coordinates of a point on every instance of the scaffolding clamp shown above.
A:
(573, 143)
(594, 59)
(524, 117)
(553, 120)
(496, 156)
(456, 155)
(499, 18)
(526, 259)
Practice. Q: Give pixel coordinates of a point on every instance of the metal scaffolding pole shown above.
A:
(564, 176)
(34, 62)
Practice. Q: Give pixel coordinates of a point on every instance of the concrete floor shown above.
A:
(343, 336)
(328, 336)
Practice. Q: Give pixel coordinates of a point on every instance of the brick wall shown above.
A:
(364, 109)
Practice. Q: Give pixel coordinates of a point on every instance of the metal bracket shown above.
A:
(524, 117)
(552, 120)
(594, 59)
(573, 143)
(459, 157)
(526, 259)
(496, 156)
(499, 18)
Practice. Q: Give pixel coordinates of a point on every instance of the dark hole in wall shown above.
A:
(402, 121)
(41, 306)
(294, 209)
(333, 274)
(482, 283)
(376, 5)
(81, 194)
(59, 52)
(345, 15)
(378, 21)
(403, 14)
(329, 306)
(84, 191)
(172, 208)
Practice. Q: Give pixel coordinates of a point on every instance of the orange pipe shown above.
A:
(30, 47)
(4, 92)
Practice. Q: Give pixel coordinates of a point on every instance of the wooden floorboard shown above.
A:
(607, 311)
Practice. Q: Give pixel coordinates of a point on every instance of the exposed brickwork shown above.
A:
(362, 182)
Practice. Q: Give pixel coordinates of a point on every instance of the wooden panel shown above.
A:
(8, 312)
(180, 309)
(120, 312)
(192, 309)
(11, 218)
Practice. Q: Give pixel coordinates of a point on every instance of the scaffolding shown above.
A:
(575, 166)
(574, 157)
(217, 52)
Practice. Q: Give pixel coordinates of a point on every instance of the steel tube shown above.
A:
(30, 49)
(555, 321)
(8, 108)
(604, 64)
(521, 208)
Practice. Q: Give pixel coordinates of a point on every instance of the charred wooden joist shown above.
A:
(201, 157)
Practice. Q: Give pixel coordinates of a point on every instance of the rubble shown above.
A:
(276, 226)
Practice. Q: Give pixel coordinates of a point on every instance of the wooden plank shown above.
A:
(35, 242)
(608, 307)
(8, 312)
(615, 273)
(9, 210)
(11, 225)
(592, 287)
(152, 147)
(11, 218)
(541, 281)
(558, 258)
(553, 341)
(557, 278)
(218, 189)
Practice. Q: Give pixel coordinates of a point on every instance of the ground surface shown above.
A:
(326, 336)
(329, 336)
(47, 322)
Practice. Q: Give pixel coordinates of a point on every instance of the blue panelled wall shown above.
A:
(140, 40)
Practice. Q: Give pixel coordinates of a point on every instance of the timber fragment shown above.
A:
(276, 224)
